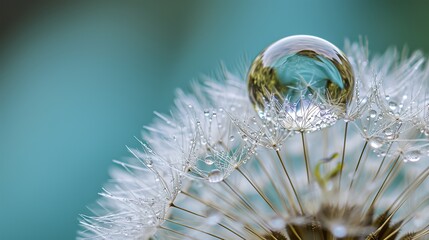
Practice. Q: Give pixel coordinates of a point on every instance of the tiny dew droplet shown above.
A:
(149, 163)
(393, 106)
(376, 142)
(372, 113)
(231, 138)
(206, 113)
(209, 160)
(215, 176)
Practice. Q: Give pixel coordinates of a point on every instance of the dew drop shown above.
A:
(393, 106)
(372, 113)
(206, 113)
(412, 156)
(388, 132)
(215, 176)
(376, 142)
(231, 138)
(208, 160)
(149, 163)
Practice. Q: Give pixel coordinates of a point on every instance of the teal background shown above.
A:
(79, 79)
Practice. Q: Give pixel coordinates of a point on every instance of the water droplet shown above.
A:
(244, 137)
(206, 113)
(215, 176)
(209, 160)
(376, 142)
(305, 72)
(393, 106)
(231, 138)
(412, 156)
(372, 113)
(149, 163)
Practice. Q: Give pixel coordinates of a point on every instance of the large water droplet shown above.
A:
(215, 176)
(306, 72)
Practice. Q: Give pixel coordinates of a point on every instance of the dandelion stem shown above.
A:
(357, 165)
(199, 215)
(240, 196)
(290, 181)
(246, 203)
(176, 232)
(195, 229)
(263, 196)
(307, 161)
(252, 214)
(228, 215)
(382, 162)
(404, 196)
(279, 195)
(384, 183)
(343, 155)
(186, 210)
(407, 219)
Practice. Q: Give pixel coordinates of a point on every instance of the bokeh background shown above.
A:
(79, 79)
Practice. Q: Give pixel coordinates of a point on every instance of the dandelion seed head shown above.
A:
(282, 165)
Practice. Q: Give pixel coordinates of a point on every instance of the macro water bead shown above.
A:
(303, 80)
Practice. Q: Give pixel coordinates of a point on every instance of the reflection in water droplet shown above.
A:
(302, 69)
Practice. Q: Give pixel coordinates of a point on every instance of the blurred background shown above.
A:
(79, 79)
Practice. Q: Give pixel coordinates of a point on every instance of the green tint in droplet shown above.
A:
(308, 77)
